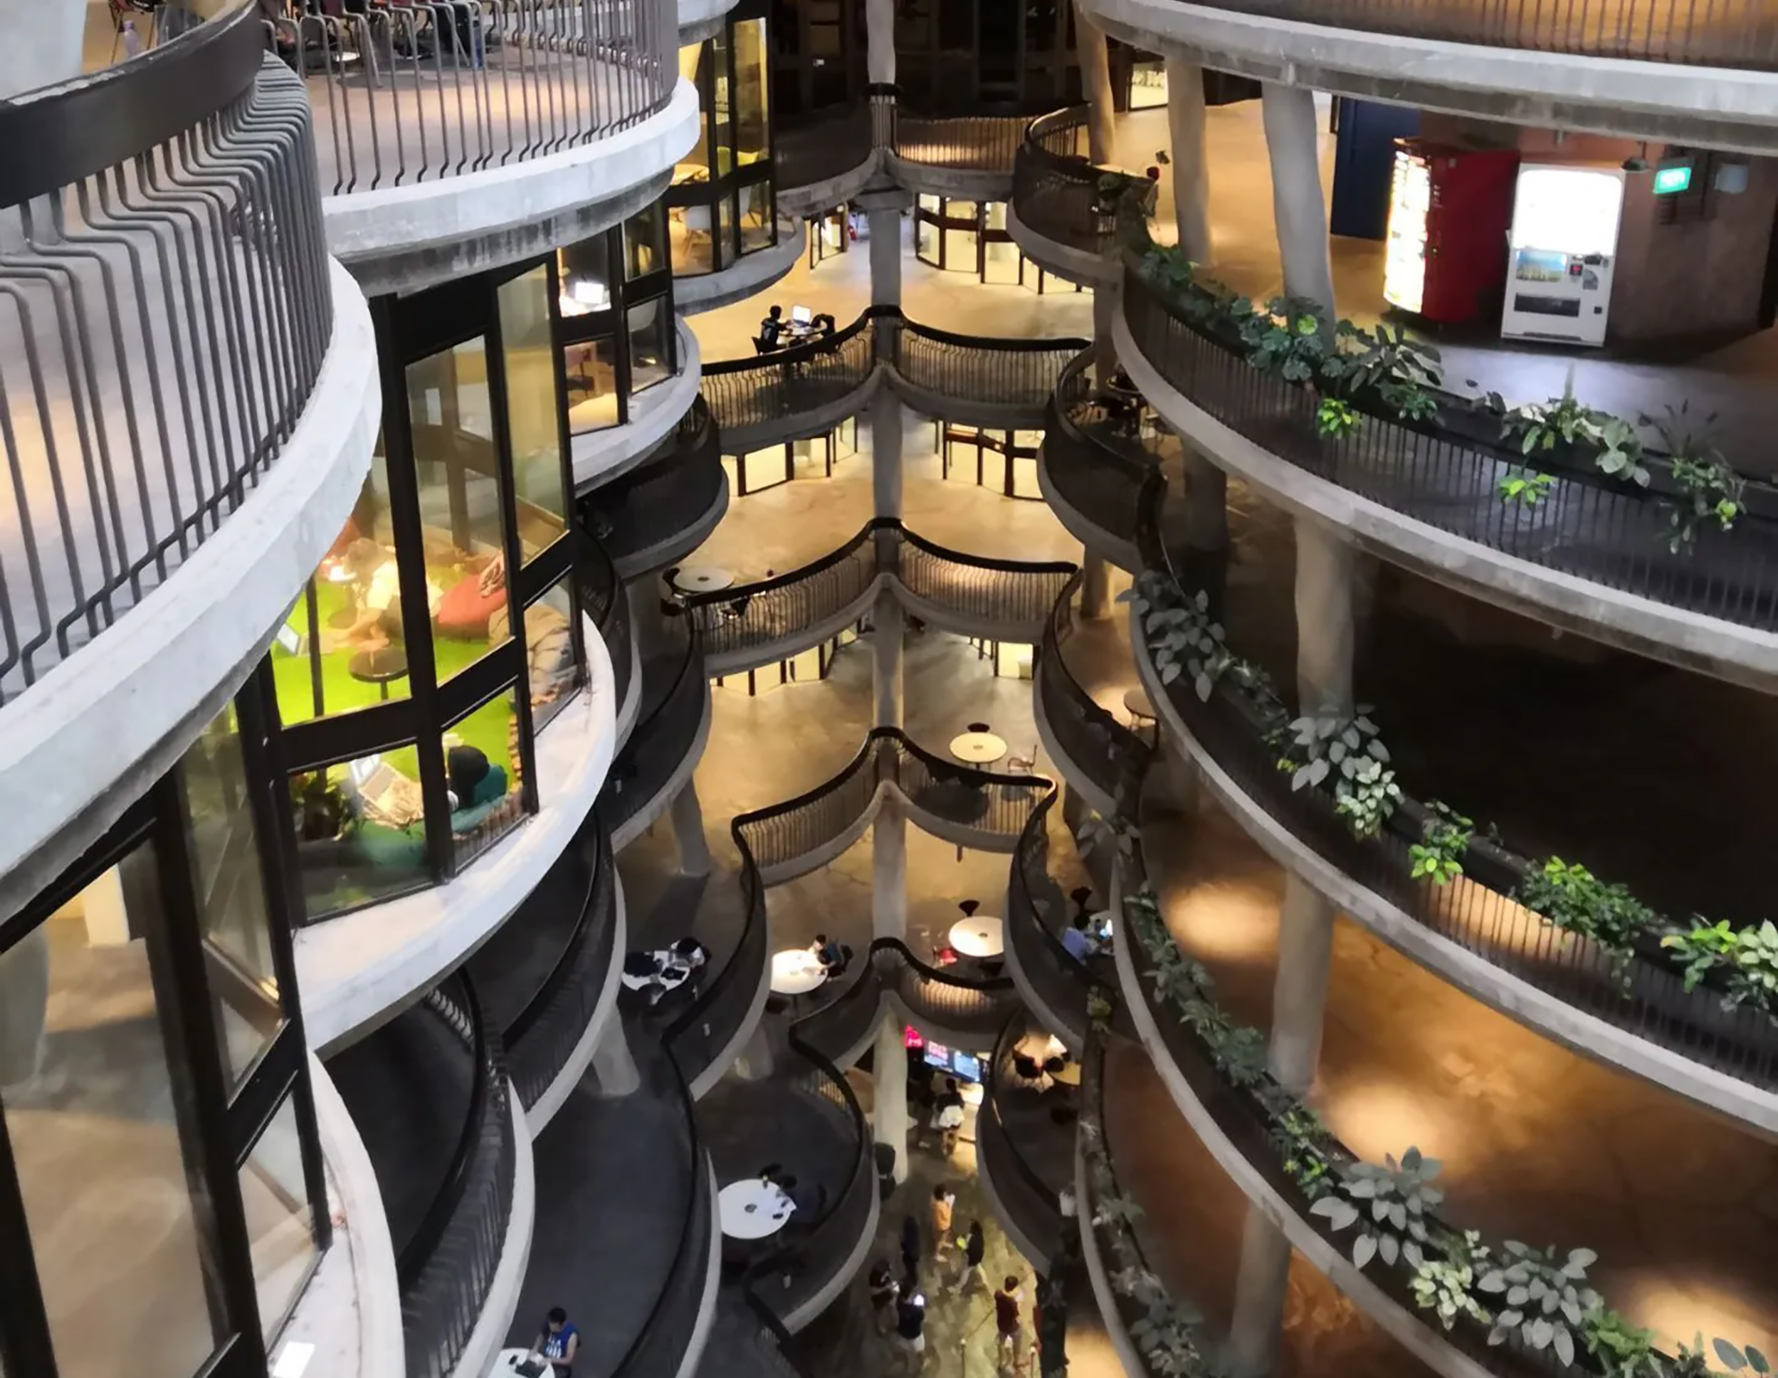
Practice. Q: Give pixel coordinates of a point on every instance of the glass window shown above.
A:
(585, 278)
(725, 228)
(482, 772)
(643, 233)
(689, 237)
(460, 500)
(533, 411)
(722, 105)
(759, 228)
(280, 1218)
(360, 831)
(590, 367)
(91, 1101)
(752, 120)
(231, 895)
(325, 658)
(549, 653)
(651, 344)
(695, 165)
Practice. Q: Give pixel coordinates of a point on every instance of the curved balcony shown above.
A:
(1053, 983)
(822, 160)
(430, 1096)
(1592, 555)
(601, 456)
(664, 749)
(1632, 1012)
(549, 975)
(602, 598)
(1093, 463)
(1024, 1143)
(805, 391)
(1059, 216)
(971, 594)
(955, 155)
(456, 138)
(171, 471)
(663, 509)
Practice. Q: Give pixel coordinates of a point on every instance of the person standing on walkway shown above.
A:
(910, 1253)
(947, 1116)
(884, 1294)
(910, 1329)
(975, 1249)
(1006, 1323)
(943, 1199)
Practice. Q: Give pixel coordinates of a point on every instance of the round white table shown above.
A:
(508, 1361)
(752, 1209)
(982, 936)
(978, 748)
(796, 971)
(703, 578)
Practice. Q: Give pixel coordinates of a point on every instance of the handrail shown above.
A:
(602, 598)
(1446, 473)
(969, 143)
(1091, 737)
(1056, 187)
(462, 86)
(658, 744)
(140, 420)
(1092, 469)
(1690, 32)
(1644, 995)
(820, 148)
(662, 497)
(1032, 1182)
(446, 1269)
(1027, 907)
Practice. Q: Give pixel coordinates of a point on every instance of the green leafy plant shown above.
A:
(1525, 487)
(1348, 751)
(1444, 838)
(1290, 337)
(1446, 1285)
(1539, 427)
(1577, 901)
(1710, 490)
(1167, 268)
(1620, 1349)
(1383, 360)
(1390, 1205)
(1335, 419)
(1746, 957)
(1545, 1301)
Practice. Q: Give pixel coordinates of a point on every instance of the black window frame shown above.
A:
(612, 321)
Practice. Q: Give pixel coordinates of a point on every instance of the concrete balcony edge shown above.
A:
(699, 292)
(600, 456)
(1068, 263)
(1115, 550)
(539, 1115)
(1076, 778)
(88, 738)
(502, 1302)
(662, 799)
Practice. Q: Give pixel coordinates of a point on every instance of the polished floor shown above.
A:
(1538, 1144)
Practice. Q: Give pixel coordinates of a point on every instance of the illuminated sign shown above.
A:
(1673, 178)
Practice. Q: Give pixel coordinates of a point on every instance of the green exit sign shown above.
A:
(1669, 180)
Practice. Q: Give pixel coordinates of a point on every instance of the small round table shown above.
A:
(702, 579)
(978, 748)
(508, 1360)
(752, 1209)
(796, 971)
(378, 667)
(981, 936)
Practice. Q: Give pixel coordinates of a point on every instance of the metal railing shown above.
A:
(1717, 33)
(1055, 185)
(602, 598)
(421, 91)
(1033, 1199)
(1093, 458)
(1037, 912)
(168, 309)
(664, 497)
(1447, 472)
(1020, 373)
(1090, 735)
(658, 745)
(1017, 594)
(969, 143)
(820, 148)
(1644, 995)
(791, 382)
(544, 1034)
(448, 1266)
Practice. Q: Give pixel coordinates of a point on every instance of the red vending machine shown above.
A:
(1449, 213)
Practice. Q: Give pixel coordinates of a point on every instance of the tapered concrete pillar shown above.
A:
(887, 627)
(688, 832)
(1324, 619)
(1191, 158)
(1105, 308)
(885, 453)
(889, 870)
(885, 255)
(879, 33)
(889, 1115)
(1095, 584)
(1095, 84)
(1260, 1287)
(1299, 991)
(1293, 141)
(613, 1068)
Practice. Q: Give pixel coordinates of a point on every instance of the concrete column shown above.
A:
(1105, 301)
(1293, 140)
(886, 651)
(885, 453)
(1095, 85)
(885, 255)
(1095, 592)
(879, 32)
(1299, 991)
(889, 870)
(613, 1068)
(1260, 1287)
(1191, 159)
(1324, 619)
(688, 832)
(889, 1117)
(43, 44)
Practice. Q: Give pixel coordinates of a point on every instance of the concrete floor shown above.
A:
(1538, 1143)
(953, 301)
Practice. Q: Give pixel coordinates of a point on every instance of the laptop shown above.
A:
(799, 315)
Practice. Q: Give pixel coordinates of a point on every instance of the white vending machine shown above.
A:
(1560, 253)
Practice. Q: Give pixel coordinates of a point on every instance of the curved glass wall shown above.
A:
(722, 204)
(441, 631)
(162, 1201)
(615, 320)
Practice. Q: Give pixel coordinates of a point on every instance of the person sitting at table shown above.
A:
(771, 329)
(827, 952)
(1076, 939)
(558, 1341)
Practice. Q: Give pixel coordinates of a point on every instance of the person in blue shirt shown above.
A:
(558, 1342)
(826, 951)
(1076, 939)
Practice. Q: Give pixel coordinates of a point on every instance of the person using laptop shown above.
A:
(771, 329)
(557, 1343)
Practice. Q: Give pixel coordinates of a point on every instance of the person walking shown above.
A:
(943, 1199)
(975, 1249)
(947, 1116)
(1006, 1324)
(910, 1329)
